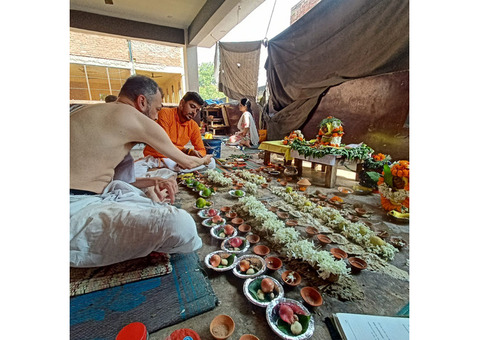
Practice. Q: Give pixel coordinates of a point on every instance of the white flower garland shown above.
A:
(247, 175)
(289, 238)
(218, 178)
(357, 232)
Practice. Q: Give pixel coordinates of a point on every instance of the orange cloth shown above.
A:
(180, 134)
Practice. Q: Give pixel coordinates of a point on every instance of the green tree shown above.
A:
(206, 80)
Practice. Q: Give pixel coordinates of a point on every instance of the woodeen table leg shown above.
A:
(358, 171)
(266, 158)
(331, 175)
(298, 164)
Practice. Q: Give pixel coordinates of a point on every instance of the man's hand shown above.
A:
(195, 153)
(207, 159)
(159, 189)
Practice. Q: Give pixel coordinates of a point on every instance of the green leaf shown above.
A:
(387, 176)
(285, 327)
(374, 176)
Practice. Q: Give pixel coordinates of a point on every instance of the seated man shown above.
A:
(179, 125)
(111, 220)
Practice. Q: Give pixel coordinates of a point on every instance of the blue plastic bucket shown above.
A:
(213, 146)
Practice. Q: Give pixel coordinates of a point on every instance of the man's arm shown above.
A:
(139, 128)
(196, 140)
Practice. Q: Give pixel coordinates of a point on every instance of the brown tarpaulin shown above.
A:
(335, 41)
(238, 68)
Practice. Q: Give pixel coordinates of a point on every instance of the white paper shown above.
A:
(372, 327)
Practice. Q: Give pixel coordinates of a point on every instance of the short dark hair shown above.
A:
(110, 98)
(247, 103)
(140, 85)
(193, 96)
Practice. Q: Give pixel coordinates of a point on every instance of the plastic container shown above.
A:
(183, 334)
(133, 331)
(213, 146)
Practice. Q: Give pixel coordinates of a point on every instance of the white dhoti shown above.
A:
(122, 224)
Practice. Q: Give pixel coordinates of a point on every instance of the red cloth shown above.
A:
(180, 134)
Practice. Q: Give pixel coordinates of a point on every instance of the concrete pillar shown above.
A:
(191, 69)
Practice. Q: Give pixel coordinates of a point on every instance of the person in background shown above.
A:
(180, 126)
(110, 98)
(248, 131)
(111, 220)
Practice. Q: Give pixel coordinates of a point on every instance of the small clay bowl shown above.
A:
(338, 253)
(311, 296)
(225, 209)
(291, 223)
(311, 231)
(273, 263)
(360, 211)
(222, 327)
(244, 228)
(261, 250)
(253, 238)
(357, 264)
(296, 278)
(282, 215)
(324, 240)
(231, 214)
(273, 209)
(248, 337)
(237, 220)
(383, 234)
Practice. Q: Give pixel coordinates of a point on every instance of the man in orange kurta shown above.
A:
(178, 123)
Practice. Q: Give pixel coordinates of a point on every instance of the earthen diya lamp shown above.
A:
(323, 239)
(273, 209)
(311, 296)
(303, 184)
(383, 234)
(248, 337)
(237, 220)
(225, 209)
(261, 250)
(253, 238)
(244, 228)
(360, 211)
(357, 264)
(222, 327)
(338, 253)
(264, 185)
(282, 215)
(291, 278)
(283, 183)
(273, 263)
(291, 223)
(231, 214)
(311, 231)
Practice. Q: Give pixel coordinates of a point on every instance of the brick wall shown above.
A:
(301, 8)
(106, 47)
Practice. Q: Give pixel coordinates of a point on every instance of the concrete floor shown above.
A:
(384, 295)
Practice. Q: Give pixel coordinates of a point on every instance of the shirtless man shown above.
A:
(110, 220)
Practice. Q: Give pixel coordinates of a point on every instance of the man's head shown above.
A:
(110, 98)
(190, 105)
(144, 94)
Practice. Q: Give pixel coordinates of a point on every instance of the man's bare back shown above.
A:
(100, 137)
